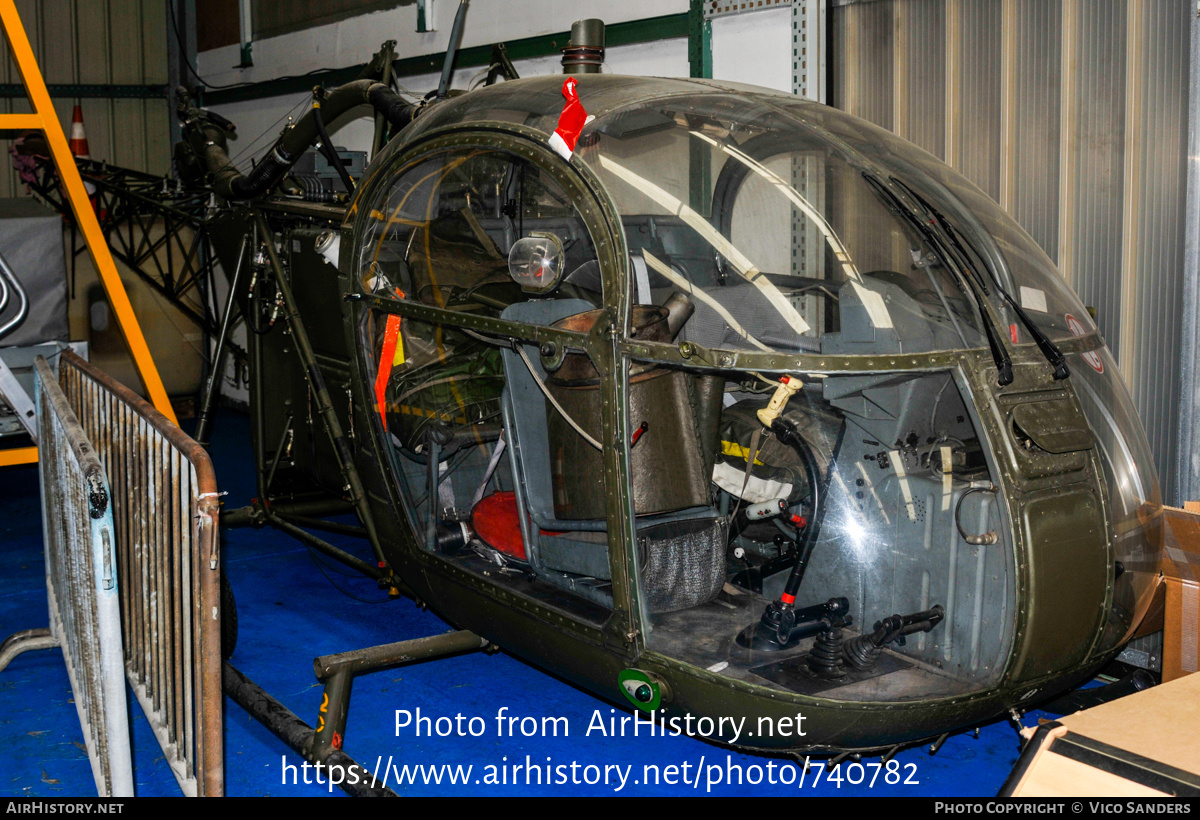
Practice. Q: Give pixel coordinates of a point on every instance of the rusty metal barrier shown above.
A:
(81, 586)
(165, 507)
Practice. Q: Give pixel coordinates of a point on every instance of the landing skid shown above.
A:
(323, 746)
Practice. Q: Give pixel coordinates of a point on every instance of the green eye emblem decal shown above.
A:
(640, 689)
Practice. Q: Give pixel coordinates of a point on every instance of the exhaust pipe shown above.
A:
(585, 53)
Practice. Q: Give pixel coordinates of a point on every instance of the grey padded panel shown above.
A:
(525, 413)
(524, 410)
(528, 438)
(585, 550)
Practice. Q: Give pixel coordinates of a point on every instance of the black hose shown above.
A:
(392, 106)
(787, 434)
(269, 170)
(207, 140)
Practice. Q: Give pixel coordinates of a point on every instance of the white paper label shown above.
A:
(1033, 299)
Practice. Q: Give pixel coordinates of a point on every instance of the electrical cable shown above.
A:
(939, 442)
(566, 416)
(480, 76)
(183, 50)
(402, 90)
(987, 538)
(268, 131)
(312, 555)
(937, 403)
(203, 136)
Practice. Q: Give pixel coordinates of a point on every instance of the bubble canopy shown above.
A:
(793, 208)
(807, 378)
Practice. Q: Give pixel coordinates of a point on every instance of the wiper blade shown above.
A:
(951, 233)
(1049, 350)
(999, 354)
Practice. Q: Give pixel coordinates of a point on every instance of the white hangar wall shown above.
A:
(749, 48)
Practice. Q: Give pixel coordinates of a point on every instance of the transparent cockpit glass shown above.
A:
(1134, 498)
(1021, 265)
(441, 232)
(1033, 279)
(468, 429)
(888, 476)
(782, 239)
(645, 114)
(477, 457)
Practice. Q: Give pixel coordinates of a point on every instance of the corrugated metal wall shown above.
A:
(121, 42)
(1072, 115)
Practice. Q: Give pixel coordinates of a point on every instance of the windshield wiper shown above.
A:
(1049, 350)
(999, 353)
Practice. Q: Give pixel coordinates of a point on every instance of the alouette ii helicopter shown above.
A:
(701, 396)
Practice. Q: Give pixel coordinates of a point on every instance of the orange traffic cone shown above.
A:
(79, 147)
(79, 143)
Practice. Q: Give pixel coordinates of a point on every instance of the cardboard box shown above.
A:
(1142, 745)
(1181, 573)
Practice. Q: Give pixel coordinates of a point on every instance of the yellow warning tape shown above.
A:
(731, 448)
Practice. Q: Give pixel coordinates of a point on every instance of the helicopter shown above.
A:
(709, 399)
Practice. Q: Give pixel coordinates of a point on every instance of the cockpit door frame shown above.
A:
(601, 342)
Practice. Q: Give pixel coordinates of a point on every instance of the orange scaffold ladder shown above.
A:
(45, 119)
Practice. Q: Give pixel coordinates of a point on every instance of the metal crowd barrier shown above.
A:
(165, 505)
(81, 585)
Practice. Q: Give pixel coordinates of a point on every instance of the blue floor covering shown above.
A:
(293, 606)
